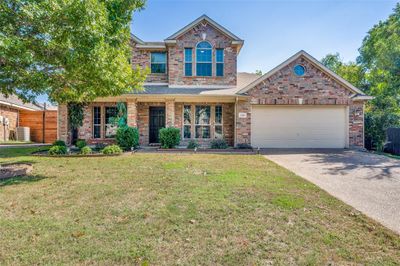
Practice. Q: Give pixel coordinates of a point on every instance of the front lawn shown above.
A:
(15, 142)
(179, 209)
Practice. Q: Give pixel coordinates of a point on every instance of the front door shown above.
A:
(157, 121)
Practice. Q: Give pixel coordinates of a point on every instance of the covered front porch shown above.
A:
(199, 118)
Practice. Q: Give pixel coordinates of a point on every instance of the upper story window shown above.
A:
(188, 62)
(220, 62)
(204, 59)
(158, 62)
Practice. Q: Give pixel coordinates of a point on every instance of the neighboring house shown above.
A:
(14, 113)
(194, 86)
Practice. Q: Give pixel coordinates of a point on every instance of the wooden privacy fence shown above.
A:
(42, 124)
(393, 141)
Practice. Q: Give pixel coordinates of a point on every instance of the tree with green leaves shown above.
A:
(380, 56)
(352, 72)
(71, 50)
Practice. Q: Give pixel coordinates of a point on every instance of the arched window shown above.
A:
(204, 59)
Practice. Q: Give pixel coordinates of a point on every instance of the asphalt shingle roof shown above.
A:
(243, 79)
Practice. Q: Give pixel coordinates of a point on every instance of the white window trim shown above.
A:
(93, 124)
(166, 65)
(222, 120)
(223, 62)
(184, 61)
(105, 121)
(202, 125)
(211, 62)
(191, 121)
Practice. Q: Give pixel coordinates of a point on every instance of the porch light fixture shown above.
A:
(203, 36)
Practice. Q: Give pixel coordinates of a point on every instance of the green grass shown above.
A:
(389, 155)
(14, 142)
(163, 209)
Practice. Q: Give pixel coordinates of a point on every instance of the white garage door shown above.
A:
(298, 127)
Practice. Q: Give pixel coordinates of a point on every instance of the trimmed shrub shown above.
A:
(193, 144)
(80, 143)
(112, 149)
(59, 143)
(127, 137)
(218, 144)
(169, 137)
(243, 146)
(86, 150)
(58, 150)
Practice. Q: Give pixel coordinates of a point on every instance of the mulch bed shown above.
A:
(212, 151)
(14, 170)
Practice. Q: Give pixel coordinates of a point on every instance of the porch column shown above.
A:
(63, 129)
(131, 106)
(170, 112)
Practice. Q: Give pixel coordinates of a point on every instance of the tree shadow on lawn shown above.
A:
(18, 180)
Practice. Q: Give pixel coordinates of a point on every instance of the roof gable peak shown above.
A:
(311, 59)
(200, 19)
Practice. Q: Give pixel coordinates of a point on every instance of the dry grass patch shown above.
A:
(179, 209)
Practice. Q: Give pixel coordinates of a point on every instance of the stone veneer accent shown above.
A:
(189, 40)
(12, 115)
(314, 88)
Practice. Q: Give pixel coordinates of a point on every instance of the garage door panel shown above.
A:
(299, 127)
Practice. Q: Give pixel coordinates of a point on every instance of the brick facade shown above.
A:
(142, 58)
(356, 125)
(228, 113)
(314, 88)
(63, 128)
(8, 131)
(144, 119)
(190, 40)
(243, 124)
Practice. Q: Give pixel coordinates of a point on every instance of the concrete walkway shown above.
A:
(368, 182)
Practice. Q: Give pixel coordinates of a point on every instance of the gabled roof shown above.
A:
(136, 39)
(208, 20)
(242, 80)
(147, 45)
(314, 61)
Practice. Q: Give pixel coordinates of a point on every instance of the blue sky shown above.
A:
(272, 30)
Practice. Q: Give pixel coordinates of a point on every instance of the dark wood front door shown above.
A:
(157, 121)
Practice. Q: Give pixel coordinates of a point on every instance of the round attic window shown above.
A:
(299, 70)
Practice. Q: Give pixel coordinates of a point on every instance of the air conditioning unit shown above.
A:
(23, 134)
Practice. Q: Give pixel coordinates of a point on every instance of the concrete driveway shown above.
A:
(368, 182)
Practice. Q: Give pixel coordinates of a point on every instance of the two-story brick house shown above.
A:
(194, 86)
